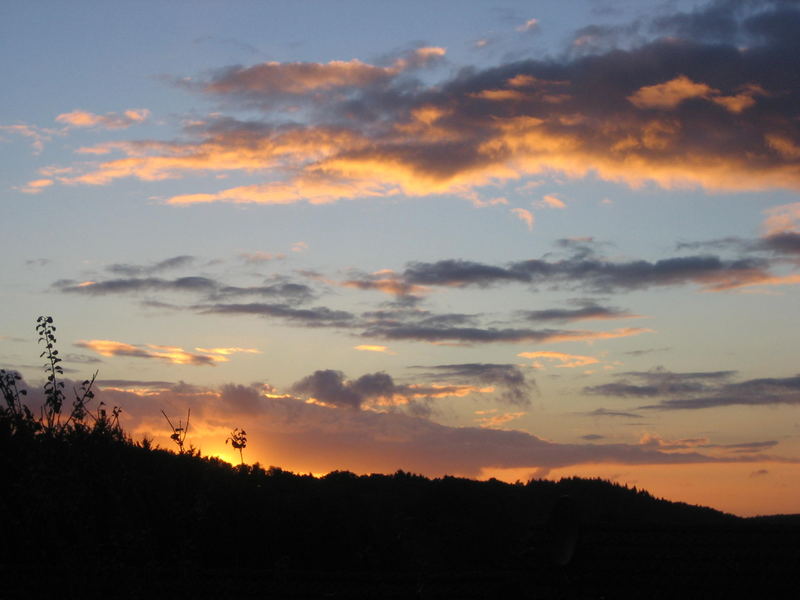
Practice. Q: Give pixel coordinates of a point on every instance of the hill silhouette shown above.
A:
(95, 513)
(87, 512)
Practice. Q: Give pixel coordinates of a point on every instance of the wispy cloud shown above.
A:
(171, 354)
(524, 215)
(562, 359)
(35, 186)
(123, 120)
(373, 348)
(551, 201)
(588, 311)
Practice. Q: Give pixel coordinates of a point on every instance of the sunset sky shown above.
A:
(486, 239)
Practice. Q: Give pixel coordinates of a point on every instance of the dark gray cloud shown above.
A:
(333, 388)
(137, 284)
(127, 270)
(785, 243)
(299, 292)
(593, 437)
(514, 386)
(459, 273)
(745, 447)
(692, 391)
(659, 382)
(320, 316)
(211, 288)
(603, 412)
(587, 311)
(644, 351)
(596, 274)
(471, 335)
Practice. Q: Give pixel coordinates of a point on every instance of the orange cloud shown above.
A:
(225, 352)
(567, 360)
(529, 25)
(297, 78)
(451, 140)
(524, 215)
(491, 419)
(782, 219)
(755, 277)
(500, 95)
(386, 281)
(35, 186)
(224, 151)
(172, 354)
(552, 201)
(669, 94)
(589, 336)
(373, 348)
(82, 118)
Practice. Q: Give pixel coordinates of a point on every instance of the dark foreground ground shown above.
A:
(98, 517)
(746, 562)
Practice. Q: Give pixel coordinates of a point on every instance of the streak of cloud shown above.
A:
(82, 118)
(171, 354)
(693, 391)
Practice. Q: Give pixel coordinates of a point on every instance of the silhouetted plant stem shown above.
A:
(238, 440)
(54, 396)
(179, 433)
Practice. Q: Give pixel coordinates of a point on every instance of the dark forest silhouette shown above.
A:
(86, 511)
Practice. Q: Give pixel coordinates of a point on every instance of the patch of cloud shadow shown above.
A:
(515, 387)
